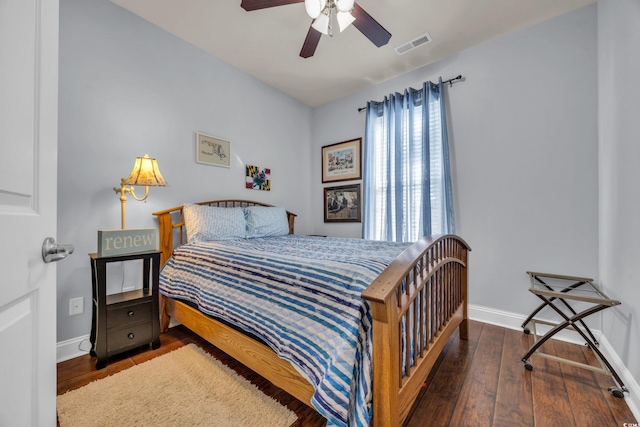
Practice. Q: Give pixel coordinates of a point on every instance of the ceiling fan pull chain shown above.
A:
(331, 9)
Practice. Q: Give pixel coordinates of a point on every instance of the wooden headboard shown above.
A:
(171, 221)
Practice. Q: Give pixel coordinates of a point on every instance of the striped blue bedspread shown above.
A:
(301, 295)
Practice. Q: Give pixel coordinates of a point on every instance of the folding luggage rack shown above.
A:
(554, 290)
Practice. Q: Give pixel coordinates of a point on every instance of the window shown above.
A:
(406, 167)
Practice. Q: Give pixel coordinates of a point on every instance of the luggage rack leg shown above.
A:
(566, 304)
(605, 368)
(560, 326)
(548, 295)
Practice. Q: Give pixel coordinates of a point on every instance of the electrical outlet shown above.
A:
(76, 306)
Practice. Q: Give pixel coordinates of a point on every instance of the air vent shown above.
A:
(406, 47)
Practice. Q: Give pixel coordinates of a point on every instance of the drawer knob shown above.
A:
(130, 313)
(131, 335)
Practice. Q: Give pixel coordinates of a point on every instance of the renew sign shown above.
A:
(119, 242)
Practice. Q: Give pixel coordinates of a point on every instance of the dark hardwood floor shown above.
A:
(479, 382)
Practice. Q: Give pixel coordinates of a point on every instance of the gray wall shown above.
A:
(523, 138)
(128, 88)
(619, 155)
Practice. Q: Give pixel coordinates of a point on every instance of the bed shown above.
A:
(408, 300)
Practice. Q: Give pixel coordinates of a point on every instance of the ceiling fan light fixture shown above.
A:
(322, 24)
(315, 7)
(344, 20)
(344, 5)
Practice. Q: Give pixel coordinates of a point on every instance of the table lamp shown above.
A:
(145, 172)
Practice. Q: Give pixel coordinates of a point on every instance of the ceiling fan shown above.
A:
(323, 12)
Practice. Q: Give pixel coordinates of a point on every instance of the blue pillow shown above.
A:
(205, 223)
(264, 221)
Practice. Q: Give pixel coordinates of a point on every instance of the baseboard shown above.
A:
(633, 397)
(74, 347)
(510, 320)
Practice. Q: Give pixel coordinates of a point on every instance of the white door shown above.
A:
(28, 172)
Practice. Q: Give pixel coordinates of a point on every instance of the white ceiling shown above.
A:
(266, 43)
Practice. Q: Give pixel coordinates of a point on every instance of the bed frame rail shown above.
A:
(416, 304)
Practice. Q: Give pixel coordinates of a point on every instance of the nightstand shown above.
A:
(125, 320)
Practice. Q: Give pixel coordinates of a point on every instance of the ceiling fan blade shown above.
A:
(310, 43)
(250, 5)
(370, 27)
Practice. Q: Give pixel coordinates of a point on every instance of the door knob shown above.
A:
(52, 252)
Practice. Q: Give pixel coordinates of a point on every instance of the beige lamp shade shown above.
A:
(146, 172)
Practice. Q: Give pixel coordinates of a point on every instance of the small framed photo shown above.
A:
(258, 178)
(342, 161)
(342, 204)
(212, 151)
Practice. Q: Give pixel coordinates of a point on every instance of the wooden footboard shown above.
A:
(416, 304)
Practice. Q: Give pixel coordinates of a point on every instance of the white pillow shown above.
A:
(205, 223)
(264, 221)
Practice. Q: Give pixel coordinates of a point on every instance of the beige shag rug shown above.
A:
(186, 387)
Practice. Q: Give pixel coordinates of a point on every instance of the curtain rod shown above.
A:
(450, 81)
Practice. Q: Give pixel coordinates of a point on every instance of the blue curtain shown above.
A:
(406, 170)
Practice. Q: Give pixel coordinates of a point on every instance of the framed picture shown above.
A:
(212, 151)
(258, 178)
(342, 204)
(341, 161)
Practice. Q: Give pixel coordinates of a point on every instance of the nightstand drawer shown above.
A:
(128, 337)
(129, 314)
